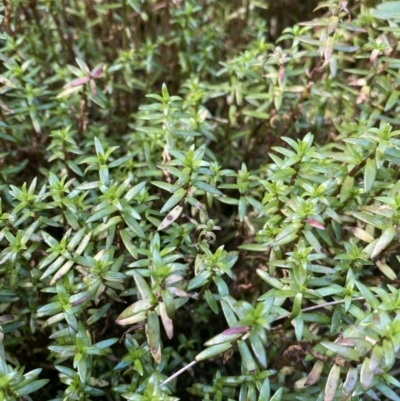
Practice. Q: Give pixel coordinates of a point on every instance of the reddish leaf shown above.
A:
(236, 330)
(97, 71)
(315, 223)
(77, 82)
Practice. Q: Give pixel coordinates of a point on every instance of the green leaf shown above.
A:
(346, 189)
(254, 247)
(31, 387)
(242, 208)
(368, 295)
(199, 280)
(376, 357)
(247, 357)
(345, 352)
(230, 316)
(370, 174)
(104, 175)
(387, 10)
(211, 301)
(173, 200)
(120, 161)
(99, 147)
(229, 201)
(298, 323)
(142, 286)
(393, 98)
(287, 231)
(386, 270)
(99, 313)
(258, 349)
(228, 335)
(139, 306)
(169, 302)
(387, 391)
(366, 376)
(278, 395)
(384, 241)
(126, 239)
(134, 191)
(100, 214)
(134, 225)
(163, 185)
(272, 281)
(207, 188)
(265, 391)
(213, 351)
(153, 335)
(282, 174)
(139, 317)
(369, 219)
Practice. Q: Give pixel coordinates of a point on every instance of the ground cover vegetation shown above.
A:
(203, 184)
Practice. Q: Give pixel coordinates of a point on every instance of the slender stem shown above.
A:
(176, 374)
(341, 301)
(179, 372)
(125, 23)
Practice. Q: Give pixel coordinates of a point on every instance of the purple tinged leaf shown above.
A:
(5, 81)
(132, 319)
(222, 339)
(137, 307)
(81, 300)
(315, 223)
(97, 71)
(63, 270)
(236, 330)
(315, 373)
(170, 218)
(6, 108)
(6, 318)
(329, 48)
(77, 82)
(349, 384)
(69, 91)
(166, 321)
(178, 292)
(333, 22)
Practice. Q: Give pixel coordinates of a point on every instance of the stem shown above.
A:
(125, 22)
(179, 372)
(341, 301)
(6, 20)
(82, 117)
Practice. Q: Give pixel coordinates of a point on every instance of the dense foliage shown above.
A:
(209, 184)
